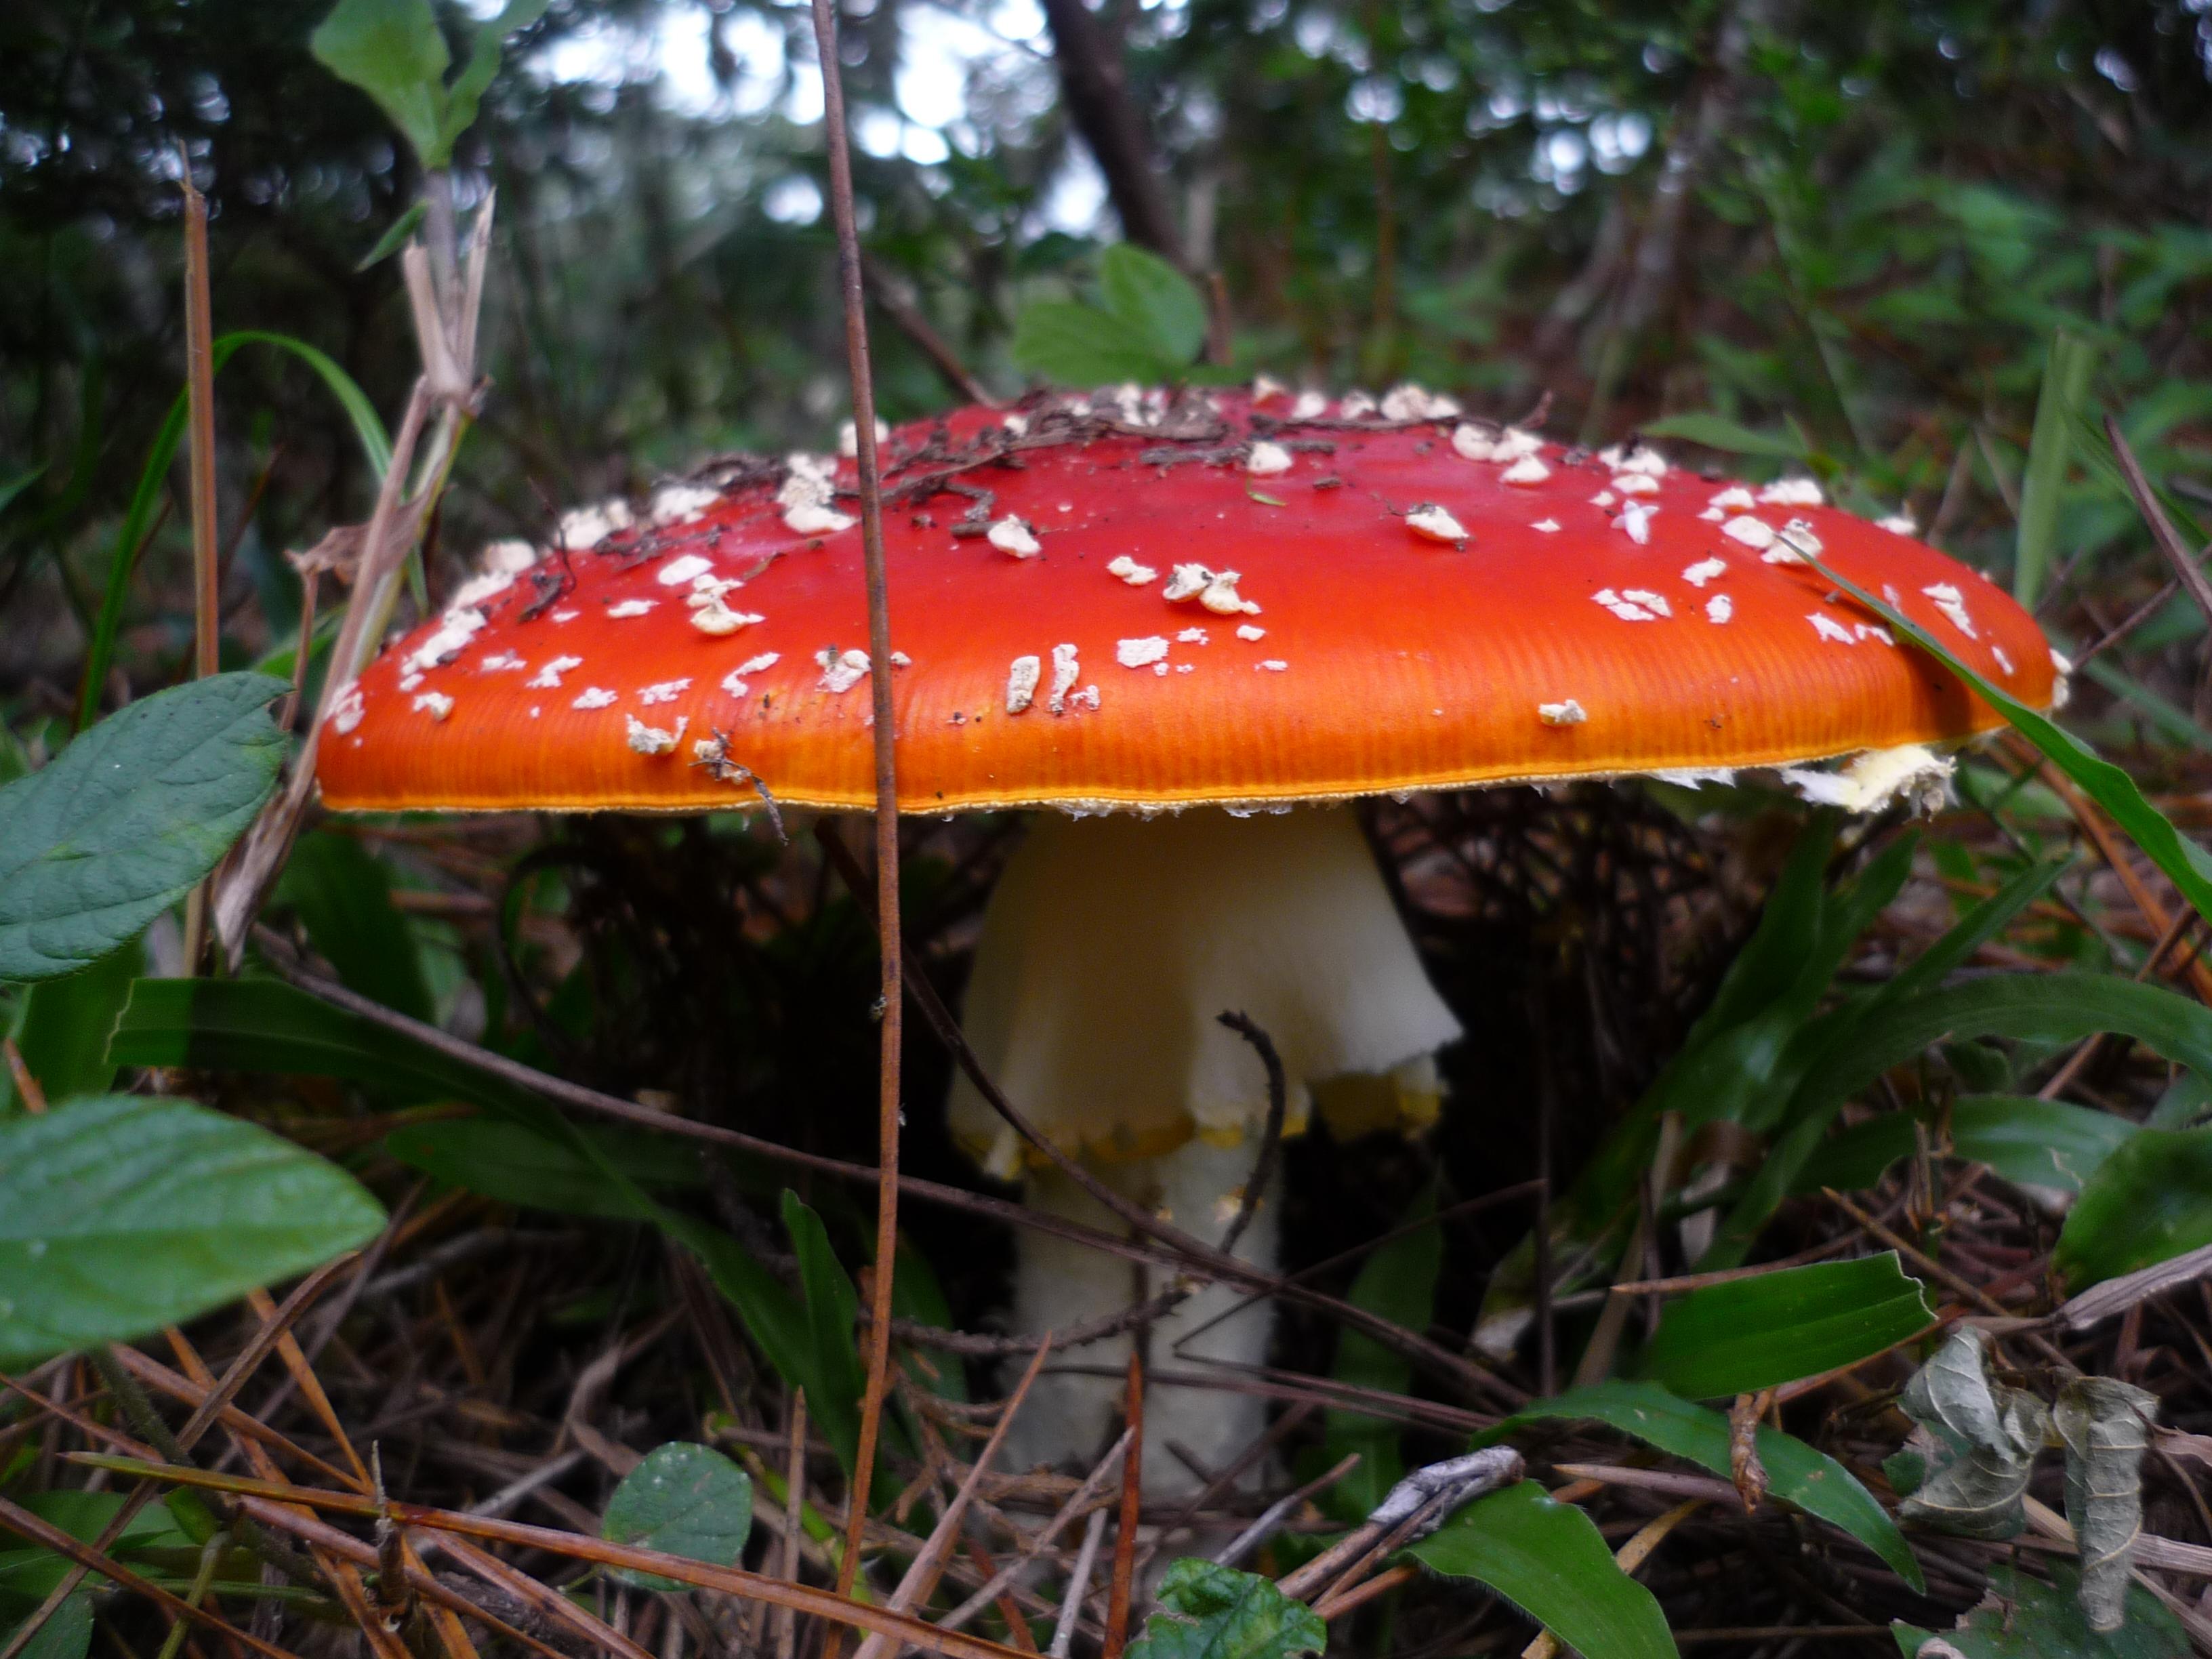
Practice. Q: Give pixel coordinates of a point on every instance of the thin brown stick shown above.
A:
(887, 758)
(1093, 1483)
(199, 399)
(27, 1086)
(1133, 1490)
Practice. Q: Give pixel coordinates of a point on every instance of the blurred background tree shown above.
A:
(1866, 221)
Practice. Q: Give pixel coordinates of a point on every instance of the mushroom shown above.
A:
(1410, 603)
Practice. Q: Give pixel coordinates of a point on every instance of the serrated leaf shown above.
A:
(1749, 1333)
(392, 51)
(2103, 1423)
(1976, 1439)
(2149, 1202)
(1718, 432)
(1209, 1611)
(681, 1499)
(1547, 1558)
(2037, 1143)
(1077, 345)
(119, 826)
(1157, 303)
(122, 1213)
(2022, 1618)
(1796, 1473)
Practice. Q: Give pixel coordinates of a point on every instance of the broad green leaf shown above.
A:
(1548, 1559)
(393, 51)
(1209, 1611)
(682, 1500)
(66, 1023)
(2103, 1424)
(1079, 345)
(1747, 1333)
(2022, 1617)
(1796, 1473)
(521, 1163)
(1718, 432)
(1967, 1466)
(343, 896)
(1160, 305)
(120, 1214)
(1399, 1282)
(837, 1376)
(265, 1025)
(2186, 864)
(2065, 391)
(2150, 1201)
(2037, 1143)
(467, 89)
(66, 1635)
(2057, 1008)
(118, 826)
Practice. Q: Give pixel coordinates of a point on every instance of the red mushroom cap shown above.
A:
(1410, 603)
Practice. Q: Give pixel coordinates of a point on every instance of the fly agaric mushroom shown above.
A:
(1141, 605)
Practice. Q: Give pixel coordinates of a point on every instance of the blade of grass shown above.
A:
(2184, 864)
(2065, 388)
(146, 498)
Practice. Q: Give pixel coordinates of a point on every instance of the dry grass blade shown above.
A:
(1081, 1498)
(733, 1581)
(1133, 1490)
(199, 393)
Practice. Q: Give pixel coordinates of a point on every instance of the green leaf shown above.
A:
(1548, 1560)
(138, 519)
(120, 1214)
(121, 824)
(2037, 1143)
(468, 86)
(1157, 303)
(66, 1023)
(2057, 1008)
(67, 1635)
(1718, 432)
(521, 1163)
(1209, 1611)
(2022, 1618)
(836, 1376)
(2185, 864)
(1399, 1282)
(393, 51)
(343, 896)
(1966, 1467)
(1747, 1333)
(394, 238)
(2065, 391)
(682, 1500)
(11, 488)
(262, 1025)
(1796, 1473)
(1079, 345)
(2151, 1201)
